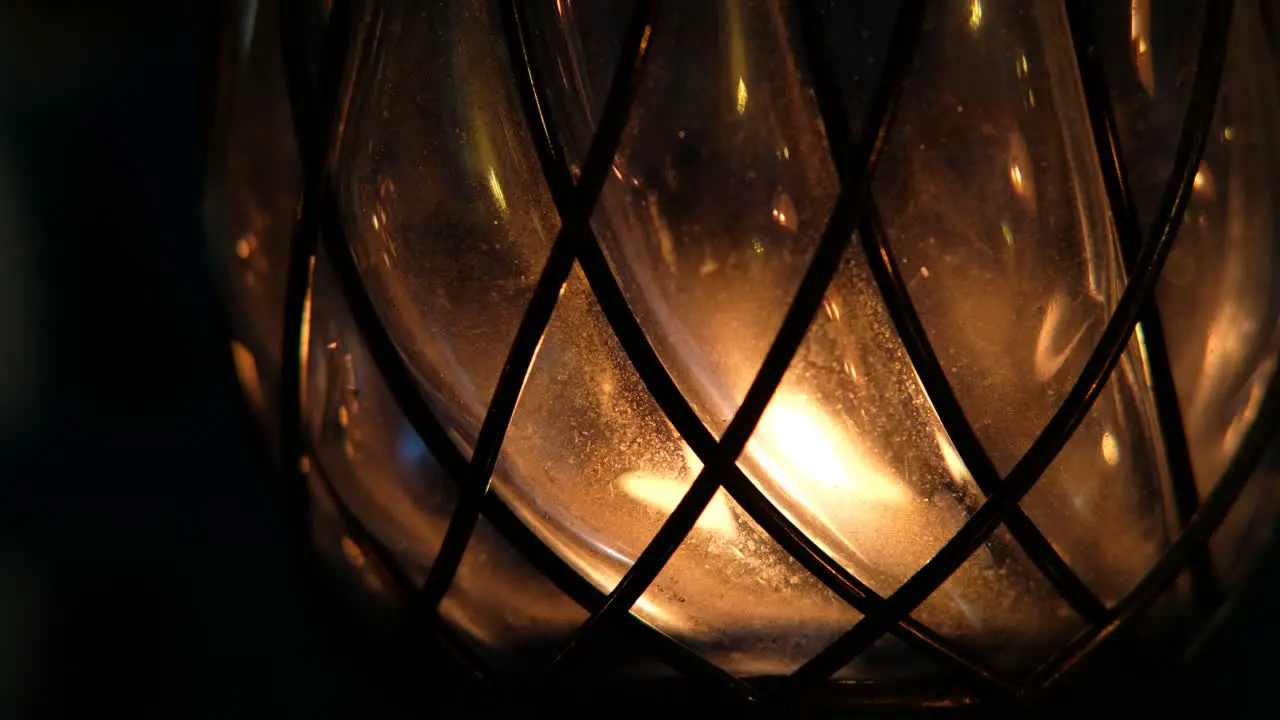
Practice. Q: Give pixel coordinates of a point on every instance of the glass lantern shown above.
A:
(790, 348)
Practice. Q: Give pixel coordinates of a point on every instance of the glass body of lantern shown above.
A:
(581, 233)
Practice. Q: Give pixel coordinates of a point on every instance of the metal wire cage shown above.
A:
(321, 337)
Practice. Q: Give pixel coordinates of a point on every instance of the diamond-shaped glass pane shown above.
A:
(998, 609)
(333, 541)
(1218, 297)
(252, 193)
(1149, 51)
(734, 596)
(994, 205)
(590, 463)
(888, 659)
(507, 607)
(1105, 503)
(575, 49)
(444, 202)
(1248, 526)
(371, 455)
(850, 448)
(720, 192)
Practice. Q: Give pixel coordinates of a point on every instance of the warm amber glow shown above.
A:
(1015, 177)
(803, 450)
(975, 14)
(1048, 360)
(664, 493)
(1110, 449)
(247, 373)
(1139, 34)
(742, 96)
(496, 188)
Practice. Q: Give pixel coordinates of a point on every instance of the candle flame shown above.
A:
(803, 450)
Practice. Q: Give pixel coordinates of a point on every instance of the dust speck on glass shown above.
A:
(827, 340)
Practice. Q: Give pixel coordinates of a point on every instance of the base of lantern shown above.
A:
(392, 668)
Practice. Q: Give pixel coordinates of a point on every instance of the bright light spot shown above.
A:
(1015, 176)
(1110, 449)
(742, 96)
(786, 153)
(852, 370)
(975, 15)
(959, 471)
(803, 450)
(757, 246)
(376, 225)
(1245, 417)
(354, 554)
(833, 310)
(247, 372)
(1203, 181)
(496, 188)
(243, 248)
(1228, 133)
(924, 271)
(1008, 234)
(1047, 363)
(664, 493)
(1023, 65)
(780, 216)
(304, 339)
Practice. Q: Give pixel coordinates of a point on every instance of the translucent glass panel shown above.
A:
(445, 207)
(728, 563)
(1000, 610)
(850, 448)
(994, 205)
(1218, 295)
(590, 463)
(1149, 49)
(721, 189)
(507, 607)
(1110, 475)
(369, 452)
(254, 183)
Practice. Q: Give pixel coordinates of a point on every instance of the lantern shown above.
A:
(782, 346)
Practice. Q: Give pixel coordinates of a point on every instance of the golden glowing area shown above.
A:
(664, 493)
(1049, 361)
(975, 14)
(1203, 180)
(496, 188)
(1139, 35)
(247, 373)
(959, 471)
(1015, 177)
(1110, 449)
(802, 449)
(742, 96)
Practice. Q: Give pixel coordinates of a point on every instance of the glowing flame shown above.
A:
(802, 450)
